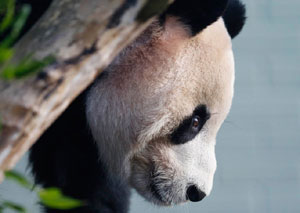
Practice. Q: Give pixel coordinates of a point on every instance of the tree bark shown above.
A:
(83, 36)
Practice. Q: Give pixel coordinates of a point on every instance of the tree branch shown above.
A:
(84, 36)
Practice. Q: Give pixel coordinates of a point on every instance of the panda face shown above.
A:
(178, 161)
(156, 110)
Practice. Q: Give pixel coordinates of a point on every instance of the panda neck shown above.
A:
(66, 157)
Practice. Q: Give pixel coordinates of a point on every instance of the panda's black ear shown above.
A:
(196, 14)
(234, 17)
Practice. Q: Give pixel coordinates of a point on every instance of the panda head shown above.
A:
(156, 110)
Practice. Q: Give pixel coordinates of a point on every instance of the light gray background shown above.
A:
(258, 147)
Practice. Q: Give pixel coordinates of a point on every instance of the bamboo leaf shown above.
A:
(53, 198)
(19, 178)
(25, 68)
(5, 54)
(17, 26)
(13, 206)
(8, 9)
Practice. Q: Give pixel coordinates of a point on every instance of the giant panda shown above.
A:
(150, 120)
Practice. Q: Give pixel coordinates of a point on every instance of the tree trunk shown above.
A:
(83, 36)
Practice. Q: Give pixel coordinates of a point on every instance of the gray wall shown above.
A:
(258, 147)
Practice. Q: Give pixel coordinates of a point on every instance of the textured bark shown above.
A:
(84, 36)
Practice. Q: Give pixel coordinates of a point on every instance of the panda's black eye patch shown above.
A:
(190, 126)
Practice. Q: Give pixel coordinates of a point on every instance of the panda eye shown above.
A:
(190, 126)
(195, 122)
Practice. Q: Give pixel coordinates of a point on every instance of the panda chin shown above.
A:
(162, 194)
(163, 200)
(154, 190)
(155, 197)
(158, 194)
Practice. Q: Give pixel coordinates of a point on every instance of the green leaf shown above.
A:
(7, 8)
(12, 24)
(17, 26)
(25, 68)
(14, 206)
(53, 198)
(5, 54)
(19, 178)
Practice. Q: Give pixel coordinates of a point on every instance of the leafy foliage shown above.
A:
(7, 10)
(13, 206)
(18, 178)
(50, 197)
(24, 68)
(11, 24)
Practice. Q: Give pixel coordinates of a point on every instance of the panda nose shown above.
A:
(194, 194)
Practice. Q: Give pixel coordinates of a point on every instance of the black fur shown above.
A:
(197, 14)
(234, 17)
(185, 131)
(66, 157)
